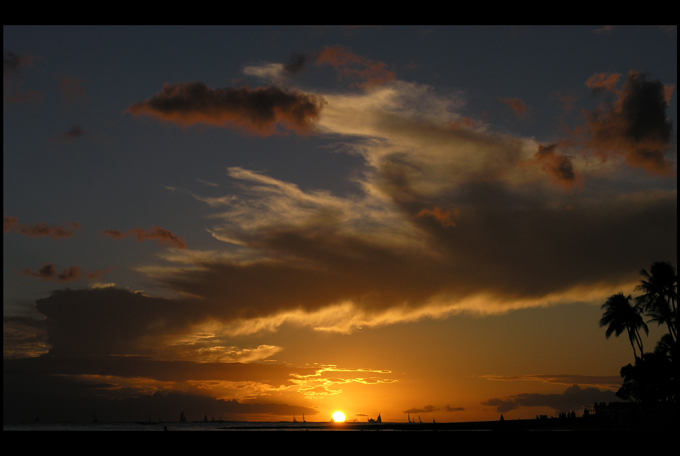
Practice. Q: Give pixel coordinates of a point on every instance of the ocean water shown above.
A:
(176, 426)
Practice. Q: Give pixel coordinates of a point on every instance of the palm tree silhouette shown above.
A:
(659, 301)
(621, 316)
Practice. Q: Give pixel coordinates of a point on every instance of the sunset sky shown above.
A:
(256, 223)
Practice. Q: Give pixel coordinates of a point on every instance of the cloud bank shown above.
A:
(571, 399)
(452, 216)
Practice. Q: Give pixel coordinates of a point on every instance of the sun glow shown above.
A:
(338, 417)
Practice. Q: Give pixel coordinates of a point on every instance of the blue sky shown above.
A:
(282, 189)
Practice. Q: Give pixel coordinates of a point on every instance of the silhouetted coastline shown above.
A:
(611, 417)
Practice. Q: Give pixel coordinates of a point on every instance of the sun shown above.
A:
(338, 417)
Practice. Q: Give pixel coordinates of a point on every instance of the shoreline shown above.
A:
(553, 424)
(628, 423)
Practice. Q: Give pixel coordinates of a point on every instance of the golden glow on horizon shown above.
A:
(339, 417)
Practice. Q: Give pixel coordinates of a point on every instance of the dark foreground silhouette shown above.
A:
(611, 417)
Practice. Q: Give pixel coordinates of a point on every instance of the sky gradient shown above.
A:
(257, 223)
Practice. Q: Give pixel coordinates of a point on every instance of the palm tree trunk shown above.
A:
(632, 335)
(639, 342)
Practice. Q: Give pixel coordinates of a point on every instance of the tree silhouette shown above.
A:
(653, 379)
(650, 380)
(621, 316)
(659, 301)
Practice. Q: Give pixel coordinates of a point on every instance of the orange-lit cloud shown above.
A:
(558, 166)
(156, 233)
(370, 73)
(23, 337)
(518, 106)
(634, 126)
(442, 217)
(260, 111)
(12, 225)
(604, 81)
(48, 272)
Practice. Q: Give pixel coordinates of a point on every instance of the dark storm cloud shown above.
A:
(525, 249)
(93, 335)
(276, 375)
(635, 126)
(156, 233)
(574, 398)
(325, 269)
(112, 321)
(259, 110)
(12, 225)
(526, 244)
(76, 388)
